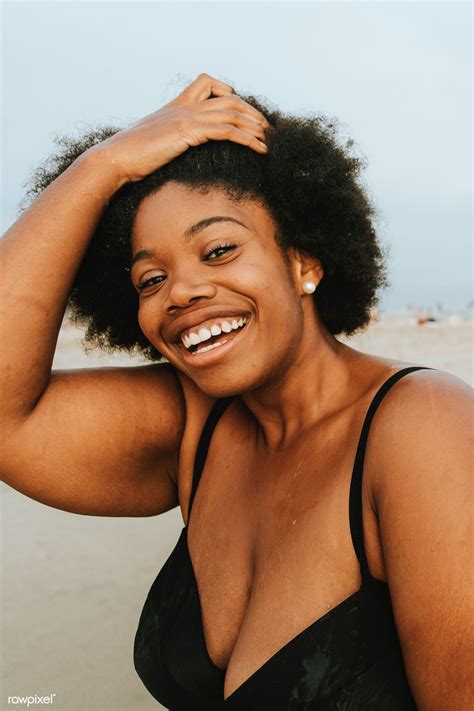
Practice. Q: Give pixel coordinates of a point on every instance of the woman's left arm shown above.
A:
(423, 496)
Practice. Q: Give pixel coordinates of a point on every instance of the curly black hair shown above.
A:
(309, 181)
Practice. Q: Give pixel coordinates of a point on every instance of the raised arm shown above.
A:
(99, 441)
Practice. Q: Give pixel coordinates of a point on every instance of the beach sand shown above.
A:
(74, 586)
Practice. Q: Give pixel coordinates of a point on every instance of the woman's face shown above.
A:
(216, 296)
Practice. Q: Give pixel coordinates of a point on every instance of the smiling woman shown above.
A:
(326, 213)
(236, 243)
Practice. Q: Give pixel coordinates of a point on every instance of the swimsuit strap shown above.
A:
(203, 446)
(355, 496)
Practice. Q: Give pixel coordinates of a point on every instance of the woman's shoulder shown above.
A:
(425, 415)
(198, 406)
(417, 401)
(425, 411)
(422, 389)
(411, 385)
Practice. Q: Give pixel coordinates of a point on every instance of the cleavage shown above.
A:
(246, 565)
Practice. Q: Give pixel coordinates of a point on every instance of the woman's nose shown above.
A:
(186, 290)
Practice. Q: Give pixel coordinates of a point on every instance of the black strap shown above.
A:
(203, 446)
(355, 496)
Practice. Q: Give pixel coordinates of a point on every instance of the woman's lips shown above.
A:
(211, 356)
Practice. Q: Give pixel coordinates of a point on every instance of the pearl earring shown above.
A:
(309, 287)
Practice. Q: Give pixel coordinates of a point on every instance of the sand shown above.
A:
(74, 586)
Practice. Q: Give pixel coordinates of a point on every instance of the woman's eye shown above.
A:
(219, 251)
(152, 281)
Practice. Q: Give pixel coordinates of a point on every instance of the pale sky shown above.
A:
(396, 74)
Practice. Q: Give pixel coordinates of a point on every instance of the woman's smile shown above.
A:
(213, 348)
(193, 337)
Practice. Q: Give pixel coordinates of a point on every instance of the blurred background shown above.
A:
(397, 76)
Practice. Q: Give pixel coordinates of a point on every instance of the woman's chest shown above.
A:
(270, 545)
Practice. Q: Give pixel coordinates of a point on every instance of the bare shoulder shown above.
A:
(422, 402)
(423, 412)
(421, 453)
(198, 405)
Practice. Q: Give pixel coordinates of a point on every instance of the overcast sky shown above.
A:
(397, 75)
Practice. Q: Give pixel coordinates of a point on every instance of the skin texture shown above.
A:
(279, 467)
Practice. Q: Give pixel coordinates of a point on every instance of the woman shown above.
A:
(247, 241)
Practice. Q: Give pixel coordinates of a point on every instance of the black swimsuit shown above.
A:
(348, 660)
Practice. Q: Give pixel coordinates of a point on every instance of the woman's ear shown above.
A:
(306, 269)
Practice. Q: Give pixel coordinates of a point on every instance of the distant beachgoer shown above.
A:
(325, 563)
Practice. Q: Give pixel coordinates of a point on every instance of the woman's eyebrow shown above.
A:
(202, 224)
(142, 254)
(189, 234)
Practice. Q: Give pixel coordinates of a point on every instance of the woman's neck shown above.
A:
(315, 384)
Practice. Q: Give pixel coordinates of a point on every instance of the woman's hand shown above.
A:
(206, 110)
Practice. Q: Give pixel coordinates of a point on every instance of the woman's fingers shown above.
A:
(217, 95)
(235, 118)
(227, 132)
(202, 88)
(206, 93)
(235, 103)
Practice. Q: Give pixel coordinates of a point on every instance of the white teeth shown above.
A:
(193, 339)
(204, 334)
